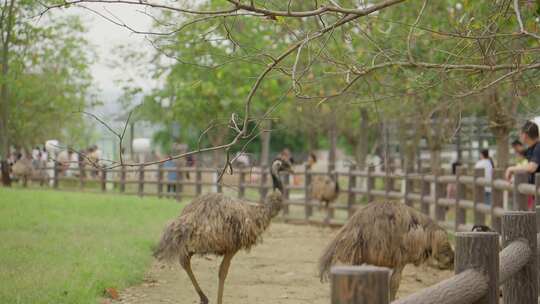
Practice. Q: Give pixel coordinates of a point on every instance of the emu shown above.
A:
(220, 225)
(388, 234)
(326, 190)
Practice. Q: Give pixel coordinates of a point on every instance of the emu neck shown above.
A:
(276, 181)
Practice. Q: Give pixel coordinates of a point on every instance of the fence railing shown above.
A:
(455, 211)
(480, 267)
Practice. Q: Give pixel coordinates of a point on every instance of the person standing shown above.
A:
(528, 136)
(486, 163)
(170, 165)
(519, 151)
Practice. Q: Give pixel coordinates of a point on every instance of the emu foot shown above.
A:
(204, 300)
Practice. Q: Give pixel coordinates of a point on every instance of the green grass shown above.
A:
(60, 247)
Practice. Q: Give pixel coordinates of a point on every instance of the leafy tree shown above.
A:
(45, 77)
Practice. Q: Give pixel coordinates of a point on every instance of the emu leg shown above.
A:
(395, 279)
(187, 267)
(328, 213)
(223, 270)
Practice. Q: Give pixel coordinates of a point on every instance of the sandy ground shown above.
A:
(281, 270)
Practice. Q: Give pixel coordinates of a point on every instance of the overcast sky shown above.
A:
(106, 37)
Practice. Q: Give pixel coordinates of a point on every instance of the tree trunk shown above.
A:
(265, 143)
(502, 137)
(4, 94)
(435, 161)
(362, 142)
(332, 134)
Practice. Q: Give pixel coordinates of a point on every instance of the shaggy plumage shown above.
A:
(24, 171)
(388, 234)
(325, 189)
(217, 224)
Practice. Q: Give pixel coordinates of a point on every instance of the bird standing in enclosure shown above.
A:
(388, 234)
(326, 190)
(217, 224)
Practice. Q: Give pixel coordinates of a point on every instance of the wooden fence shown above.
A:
(425, 192)
(480, 269)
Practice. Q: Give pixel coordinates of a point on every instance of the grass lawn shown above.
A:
(60, 247)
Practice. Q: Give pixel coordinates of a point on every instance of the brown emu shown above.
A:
(217, 224)
(388, 234)
(326, 190)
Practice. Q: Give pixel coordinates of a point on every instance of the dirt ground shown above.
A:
(281, 270)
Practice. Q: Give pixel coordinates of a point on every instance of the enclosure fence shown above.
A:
(480, 266)
(424, 191)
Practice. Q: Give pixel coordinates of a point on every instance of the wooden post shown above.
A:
(55, 175)
(387, 183)
(263, 181)
(160, 180)
(141, 181)
(480, 251)
(330, 210)
(103, 180)
(440, 211)
(408, 188)
(198, 182)
(122, 179)
(497, 200)
(536, 189)
(219, 185)
(351, 199)
(242, 184)
(478, 197)
(520, 200)
(179, 189)
(307, 184)
(461, 213)
(369, 183)
(81, 175)
(523, 286)
(360, 285)
(425, 192)
(286, 180)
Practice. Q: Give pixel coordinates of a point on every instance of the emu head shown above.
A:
(441, 249)
(274, 199)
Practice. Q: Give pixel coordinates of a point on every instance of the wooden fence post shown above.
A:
(141, 181)
(286, 182)
(387, 183)
(55, 175)
(520, 200)
(480, 251)
(179, 189)
(461, 213)
(219, 184)
(440, 211)
(308, 210)
(103, 180)
(81, 175)
(360, 285)
(198, 181)
(536, 190)
(497, 200)
(263, 181)
(425, 192)
(478, 197)
(160, 180)
(351, 199)
(523, 286)
(122, 179)
(408, 188)
(369, 183)
(242, 184)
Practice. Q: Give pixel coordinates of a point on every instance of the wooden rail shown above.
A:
(423, 191)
